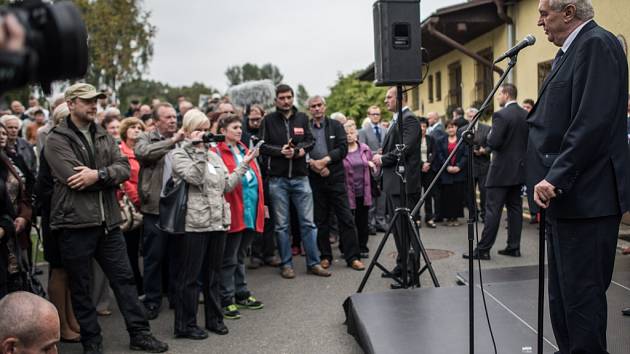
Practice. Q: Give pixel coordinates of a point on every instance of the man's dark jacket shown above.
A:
(67, 148)
(481, 164)
(411, 137)
(508, 141)
(337, 146)
(577, 129)
(276, 131)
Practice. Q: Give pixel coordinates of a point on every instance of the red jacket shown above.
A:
(130, 186)
(235, 197)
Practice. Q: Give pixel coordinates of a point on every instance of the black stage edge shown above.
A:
(435, 320)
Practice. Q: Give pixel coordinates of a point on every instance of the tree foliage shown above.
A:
(251, 72)
(353, 97)
(302, 97)
(120, 40)
(146, 90)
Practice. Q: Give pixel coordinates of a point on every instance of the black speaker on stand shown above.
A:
(397, 42)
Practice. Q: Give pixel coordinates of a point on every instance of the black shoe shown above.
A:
(192, 333)
(152, 311)
(512, 252)
(220, 329)
(92, 348)
(147, 343)
(626, 311)
(477, 254)
(395, 273)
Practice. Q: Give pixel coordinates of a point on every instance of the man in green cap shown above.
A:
(87, 168)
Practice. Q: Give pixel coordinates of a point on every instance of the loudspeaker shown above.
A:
(397, 42)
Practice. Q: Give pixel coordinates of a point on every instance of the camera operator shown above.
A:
(87, 166)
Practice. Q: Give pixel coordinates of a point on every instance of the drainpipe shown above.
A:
(511, 30)
(456, 45)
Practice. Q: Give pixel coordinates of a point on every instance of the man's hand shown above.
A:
(480, 151)
(84, 178)
(325, 172)
(287, 151)
(20, 224)
(11, 34)
(425, 167)
(180, 135)
(543, 192)
(319, 165)
(377, 160)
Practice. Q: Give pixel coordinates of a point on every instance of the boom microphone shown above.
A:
(526, 42)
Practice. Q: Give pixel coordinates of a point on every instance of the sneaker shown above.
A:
(231, 312)
(287, 272)
(319, 271)
(250, 303)
(147, 343)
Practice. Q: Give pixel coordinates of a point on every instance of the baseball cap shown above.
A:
(83, 90)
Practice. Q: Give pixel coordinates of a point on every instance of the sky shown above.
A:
(311, 41)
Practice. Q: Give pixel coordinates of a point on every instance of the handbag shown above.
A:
(132, 218)
(21, 275)
(173, 207)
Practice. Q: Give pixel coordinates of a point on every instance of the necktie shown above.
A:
(556, 60)
(377, 132)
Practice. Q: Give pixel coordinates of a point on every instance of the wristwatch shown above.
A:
(102, 174)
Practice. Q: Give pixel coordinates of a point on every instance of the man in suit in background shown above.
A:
(481, 159)
(373, 135)
(578, 169)
(508, 141)
(437, 133)
(388, 160)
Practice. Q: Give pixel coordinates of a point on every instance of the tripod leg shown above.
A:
(420, 249)
(377, 254)
(541, 279)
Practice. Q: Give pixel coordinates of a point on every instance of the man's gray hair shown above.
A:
(7, 117)
(472, 110)
(313, 98)
(20, 315)
(583, 8)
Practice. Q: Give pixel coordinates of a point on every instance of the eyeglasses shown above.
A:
(374, 114)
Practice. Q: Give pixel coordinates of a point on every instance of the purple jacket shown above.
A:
(366, 155)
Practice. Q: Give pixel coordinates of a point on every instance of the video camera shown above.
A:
(213, 138)
(55, 45)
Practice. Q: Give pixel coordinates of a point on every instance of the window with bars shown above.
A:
(455, 84)
(438, 86)
(430, 88)
(484, 81)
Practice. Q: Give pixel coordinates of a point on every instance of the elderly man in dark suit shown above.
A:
(388, 159)
(508, 141)
(373, 134)
(578, 169)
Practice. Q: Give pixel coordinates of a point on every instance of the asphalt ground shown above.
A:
(305, 314)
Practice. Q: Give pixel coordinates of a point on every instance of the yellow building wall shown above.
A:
(610, 14)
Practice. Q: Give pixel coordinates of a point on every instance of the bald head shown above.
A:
(28, 323)
(433, 117)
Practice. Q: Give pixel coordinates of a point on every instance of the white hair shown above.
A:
(193, 119)
(472, 110)
(7, 117)
(313, 98)
(583, 8)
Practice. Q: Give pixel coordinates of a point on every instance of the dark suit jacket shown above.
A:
(411, 137)
(508, 141)
(337, 146)
(577, 129)
(480, 163)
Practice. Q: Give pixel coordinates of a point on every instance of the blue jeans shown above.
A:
(298, 191)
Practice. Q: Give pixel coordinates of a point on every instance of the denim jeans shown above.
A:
(233, 282)
(298, 190)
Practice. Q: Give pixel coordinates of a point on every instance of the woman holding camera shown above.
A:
(200, 249)
(248, 219)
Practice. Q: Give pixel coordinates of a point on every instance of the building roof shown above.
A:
(461, 22)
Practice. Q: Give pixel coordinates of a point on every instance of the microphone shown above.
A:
(526, 42)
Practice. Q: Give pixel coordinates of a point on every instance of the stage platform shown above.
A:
(435, 320)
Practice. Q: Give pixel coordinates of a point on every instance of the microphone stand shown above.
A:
(472, 217)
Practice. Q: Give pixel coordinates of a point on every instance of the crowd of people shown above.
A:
(198, 196)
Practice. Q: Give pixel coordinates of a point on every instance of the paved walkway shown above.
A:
(305, 315)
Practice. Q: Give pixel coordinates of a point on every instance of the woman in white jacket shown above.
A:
(200, 249)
